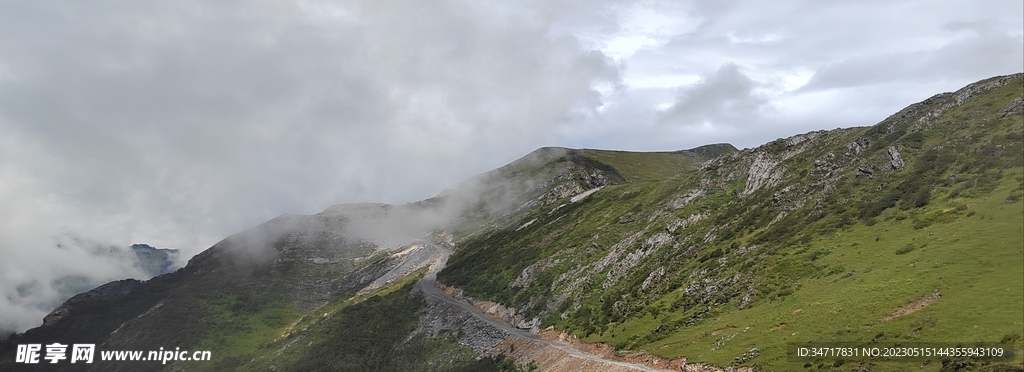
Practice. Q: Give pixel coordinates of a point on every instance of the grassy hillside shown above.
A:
(868, 272)
(645, 166)
(819, 237)
(497, 198)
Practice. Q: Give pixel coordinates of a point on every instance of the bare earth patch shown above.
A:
(913, 306)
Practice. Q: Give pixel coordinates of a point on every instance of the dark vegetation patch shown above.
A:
(374, 336)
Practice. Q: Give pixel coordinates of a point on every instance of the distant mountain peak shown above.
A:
(710, 151)
(155, 261)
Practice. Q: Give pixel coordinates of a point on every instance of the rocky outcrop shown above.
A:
(527, 276)
(826, 164)
(408, 261)
(951, 100)
(895, 160)
(583, 195)
(631, 259)
(683, 200)
(682, 223)
(1015, 106)
(764, 172)
(857, 146)
(564, 190)
(441, 317)
(653, 278)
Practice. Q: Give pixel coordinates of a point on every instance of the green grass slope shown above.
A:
(648, 166)
(819, 237)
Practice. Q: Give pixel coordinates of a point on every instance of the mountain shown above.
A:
(911, 230)
(141, 261)
(884, 233)
(150, 261)
(291, 274)
(155, 261)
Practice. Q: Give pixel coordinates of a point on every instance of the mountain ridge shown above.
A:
(639, 251)
(791, 192)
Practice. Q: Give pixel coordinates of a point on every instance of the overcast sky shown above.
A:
(178, 123)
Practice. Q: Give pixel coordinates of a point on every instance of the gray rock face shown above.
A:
(800, 138)
(683, 223)
(923, 119)
(799, 143)
(469, 330)
(653, 278)
(895, 160)
(824, 165)
(564, 190)
(764, 172)
(615, 255)
(407, 261)
(858, 146)
(866, 170)
(1015, 106)
(683, 200)
(631, 259)
(529, 274)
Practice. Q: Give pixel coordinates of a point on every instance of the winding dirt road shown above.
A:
(430, 287)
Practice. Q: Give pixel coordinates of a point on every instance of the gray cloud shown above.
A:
(726, 97)
(982, 53)
(177, 124)
(812, 65)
